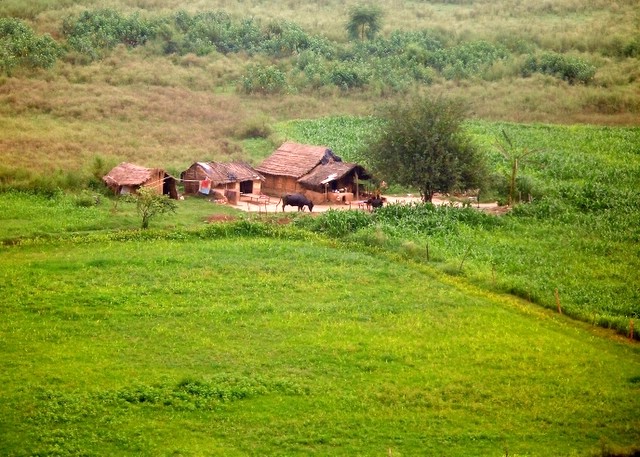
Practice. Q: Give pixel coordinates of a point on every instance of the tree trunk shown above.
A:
(512, 183)
(427, 195)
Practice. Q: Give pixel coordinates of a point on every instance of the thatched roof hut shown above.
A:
(291, 161)
(334, 175)
(127, 178)
(238, 176)
(312, 170)
(221, 175)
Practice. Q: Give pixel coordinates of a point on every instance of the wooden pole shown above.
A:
(558, 302)
(631, 330)
(357, 187)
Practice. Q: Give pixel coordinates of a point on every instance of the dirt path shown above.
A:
(275, 206)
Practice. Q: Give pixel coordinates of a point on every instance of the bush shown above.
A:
(336, 223)
(86, 199)
(284, 39)
(20, 47)
(571, 69)
(348, 76)
(427, 219)
(632, 48)
(257, 127)
(466, 60)
(264, 80)
(95, 32)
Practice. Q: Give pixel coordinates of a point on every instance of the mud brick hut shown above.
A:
(314, 171)
(127, 178)
(231, 179)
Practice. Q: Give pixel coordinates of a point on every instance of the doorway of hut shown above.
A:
(246, 187)
(169, 187)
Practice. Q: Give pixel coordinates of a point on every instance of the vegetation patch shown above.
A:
(116, 346)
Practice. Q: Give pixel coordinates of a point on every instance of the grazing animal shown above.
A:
(298, 200)
(375, 202)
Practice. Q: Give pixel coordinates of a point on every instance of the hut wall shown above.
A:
(250, 186)
(170, 187)
(156, 181)
(316, 197)
(279, 185)
(192, 178)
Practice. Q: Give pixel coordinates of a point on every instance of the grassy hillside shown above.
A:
(254, 346)
(158, 98)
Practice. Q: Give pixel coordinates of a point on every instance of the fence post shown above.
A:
(558, 302)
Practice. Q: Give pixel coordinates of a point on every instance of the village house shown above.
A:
(314, 171)
(127, 178)
(230, 179)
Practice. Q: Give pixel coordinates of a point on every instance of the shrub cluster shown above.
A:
(389, 64)
(466, 60)
(336, 223)
(571, 69)
(216, 31)
(95, 32)
(405, 220)
(264, 80)
(21, 47)
(429, 219)
(307, 62)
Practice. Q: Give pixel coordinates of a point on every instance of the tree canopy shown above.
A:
(365, 21)
(422, 145)
(149, 204)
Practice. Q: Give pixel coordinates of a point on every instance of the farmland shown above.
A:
(252, 337)
(579, 235)
(236, 344)
(413, 330)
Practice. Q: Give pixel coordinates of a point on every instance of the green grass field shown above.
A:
(579, 234)
(412, 331)
(262, 346)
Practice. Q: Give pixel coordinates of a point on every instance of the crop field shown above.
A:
(209, 343)
(411, 330)
(578, 235)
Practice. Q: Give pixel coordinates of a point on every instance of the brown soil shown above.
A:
(221, 218)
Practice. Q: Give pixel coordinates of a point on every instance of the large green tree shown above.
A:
(365, 21)
(422, 144)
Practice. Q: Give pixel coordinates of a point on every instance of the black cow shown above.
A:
(375, 202)
(298, 200)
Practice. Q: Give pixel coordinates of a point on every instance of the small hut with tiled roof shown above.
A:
(235, 176)
(290, 162)
(127, 178)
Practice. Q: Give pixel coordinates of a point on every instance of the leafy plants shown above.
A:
(264, 80)
(20, 47)
(150, 204)
(574, 70)
(93, 33)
